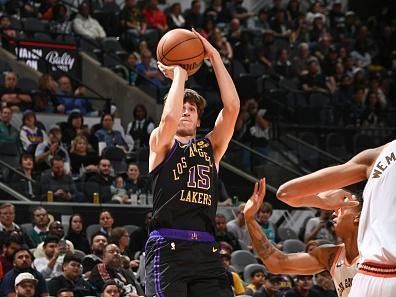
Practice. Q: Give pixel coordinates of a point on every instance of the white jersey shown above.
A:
(376, 236)
(342, 272)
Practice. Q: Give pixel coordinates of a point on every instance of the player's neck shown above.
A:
(184, 138)
(351, 247)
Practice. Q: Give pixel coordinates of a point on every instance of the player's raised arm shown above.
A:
(161, 139)
(275, 260)
(303, 191)
(221, 135)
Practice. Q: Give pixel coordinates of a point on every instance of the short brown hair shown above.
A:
(266, 207)
(192, 96)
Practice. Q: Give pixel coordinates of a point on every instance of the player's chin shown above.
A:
(185, 130)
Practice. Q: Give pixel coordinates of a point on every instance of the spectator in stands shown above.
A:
(132, 72)
(237, 226)
(304, 287)
(314, 81)
(111, 268)
(224, 198)
(311, 245)
(22, 261)
(111, 289)
(58, 182)
(40, 225)
(374, 114)
(271, 286)
(75, 127)
(216, 11)
(375, 86)
(84, 24)
(106, 222)
(107, 136)
(25, 285)
(235, 280)
(193, 15)
(355, 110)
(221, 43)
(12, 95)
(98, 243)
(266, 51)
(175, 17)
(120, 237)
(321, 228)
(280, 26)
(55, 229)
(155, 17)
(118, 191)
(263, 218)
(222, 234)
(44, 99)
(318, 28)
(301, 61)
(262, 22)
(208, 27)
(6, 27)
(10, 244)
(50, 265)
(60, 23)
(46, 10)
(134, 184)
(324, 285)
(76, 233)
(139, 237)
(67, 98)
(26, 185)
(31, 134)
(152, 75)
(283, 66)
(256, 282)
(8, 133)
(99, 182)
(140, 128)
(70, 278)
(253, 128)
(293, 11)
(82, 160)
(47, 150)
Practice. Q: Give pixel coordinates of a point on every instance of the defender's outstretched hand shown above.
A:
(169, 71)
(335, 199)
(253, 204)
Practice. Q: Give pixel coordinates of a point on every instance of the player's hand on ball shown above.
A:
(209, 49)
(334, 199)
(169, 71)
(253, 204)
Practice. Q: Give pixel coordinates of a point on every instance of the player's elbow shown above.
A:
(283, 193)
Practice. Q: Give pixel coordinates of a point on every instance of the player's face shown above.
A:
(189, 120)
(344, 220)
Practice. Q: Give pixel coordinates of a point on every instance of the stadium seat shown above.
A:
(91, 230)
(293, 246)
(131, 228)
(241, 258)
(79, 253)
(34, 25)
(285, 233)
(247, 271)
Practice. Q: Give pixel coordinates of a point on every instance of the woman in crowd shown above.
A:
(106, 222)
(31, 134)
(82, 160)
(76, 234)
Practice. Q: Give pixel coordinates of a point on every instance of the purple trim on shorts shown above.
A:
(188, 235)
(157, 272)
(170, 153)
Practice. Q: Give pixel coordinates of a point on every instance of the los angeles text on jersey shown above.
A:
(197, 176)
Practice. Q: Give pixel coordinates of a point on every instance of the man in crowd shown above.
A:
(100, 182)
(70, 278)
(40, 225)
(25, 285)
(13, 96)
(222, 234)
(8, 133)
(49, 265)
(111, 268)
(98, 244)
(11, 243)
(58, 182)
(45, 151)
(22, 261)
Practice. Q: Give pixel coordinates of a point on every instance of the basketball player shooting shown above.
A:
(340, 260)
(182, 257)
(376, 238)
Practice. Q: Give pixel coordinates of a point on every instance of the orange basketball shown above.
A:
(181, 47)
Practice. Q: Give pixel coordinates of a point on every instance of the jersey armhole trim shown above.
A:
(211, 145)
(168, 156)
(337, 256)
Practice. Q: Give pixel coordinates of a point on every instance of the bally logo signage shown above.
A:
(64, 61)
